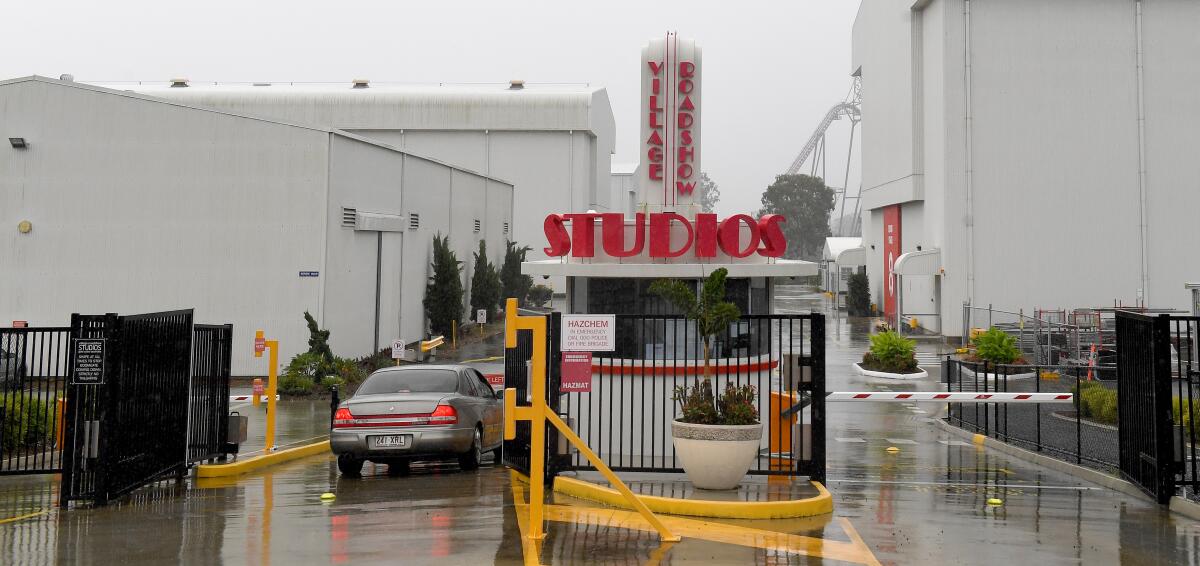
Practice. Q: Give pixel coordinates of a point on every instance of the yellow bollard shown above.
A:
(260, 344)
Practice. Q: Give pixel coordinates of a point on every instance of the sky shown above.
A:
(771, 69)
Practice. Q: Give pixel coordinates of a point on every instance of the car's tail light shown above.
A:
(343, 418)
(443, 414)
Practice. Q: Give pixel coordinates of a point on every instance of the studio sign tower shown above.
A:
(670, 120)
(609, 259)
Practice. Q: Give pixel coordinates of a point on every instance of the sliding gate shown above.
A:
(626, 412)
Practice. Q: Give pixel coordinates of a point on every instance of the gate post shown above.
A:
(67, 448)
(1164, 451)
(817, 409)
(109, 393)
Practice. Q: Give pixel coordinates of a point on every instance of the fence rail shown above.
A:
(1078, 433)
(33, 373)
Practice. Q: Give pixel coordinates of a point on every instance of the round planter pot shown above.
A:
(888, 375)
(716, 456)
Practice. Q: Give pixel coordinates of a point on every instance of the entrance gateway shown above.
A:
(640, 347)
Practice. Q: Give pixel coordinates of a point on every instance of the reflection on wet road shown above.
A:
(925, 504)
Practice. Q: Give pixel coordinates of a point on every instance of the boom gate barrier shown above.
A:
(538, 414)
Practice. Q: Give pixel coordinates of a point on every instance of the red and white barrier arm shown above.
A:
(262, 398)
(948, 397)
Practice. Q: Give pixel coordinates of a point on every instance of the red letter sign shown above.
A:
(660, 235)
(613, 229)
(556, 236)
(773, 242)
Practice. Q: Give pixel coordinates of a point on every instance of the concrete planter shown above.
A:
(716, 456)
(888, 375)
(994, 375)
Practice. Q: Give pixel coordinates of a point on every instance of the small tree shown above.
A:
(539, 295)
(485, 284)
(444, 293)
(858, 295)
(707, 194)
(711, 311)
(514, 284)
(318, 346)
(806, 203)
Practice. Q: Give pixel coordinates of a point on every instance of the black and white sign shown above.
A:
(89, 361)
(310, 274)
(481, 316)
(589, 332)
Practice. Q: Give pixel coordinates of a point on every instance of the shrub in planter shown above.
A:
(997, 347)
(891, 353)
(27, 421)
(717, 437)
(734, 407)
(1096, 402)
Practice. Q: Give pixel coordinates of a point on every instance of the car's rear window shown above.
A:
(410, 381)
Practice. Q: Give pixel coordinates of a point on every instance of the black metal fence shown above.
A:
(1085, 435)
(626, 416)
(208, 419)
(33, 373)
(1158, 374)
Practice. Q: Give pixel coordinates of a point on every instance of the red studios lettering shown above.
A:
(705, 235)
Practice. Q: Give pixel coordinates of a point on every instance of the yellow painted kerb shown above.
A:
(819, 504)
(258, 462)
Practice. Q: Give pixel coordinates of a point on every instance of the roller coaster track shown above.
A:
(849, 108)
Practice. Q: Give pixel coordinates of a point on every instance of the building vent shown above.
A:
(516, 84)
(506, 228)
(349, 217)
(67, 78)
(262, 84)
(179, 83)
(478, 226)
(361, 83)
(414, 221)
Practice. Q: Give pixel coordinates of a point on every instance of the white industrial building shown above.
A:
(1028, 153)
(553, 142)
(114, 201)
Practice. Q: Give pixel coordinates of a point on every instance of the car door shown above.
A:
(493, 417)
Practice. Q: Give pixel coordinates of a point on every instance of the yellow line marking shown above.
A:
(23, 517)
(250, 464)
(530, 548)
(855, 551)
(819, 504)
(488, 359)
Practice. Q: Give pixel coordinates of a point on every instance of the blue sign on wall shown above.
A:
(310, 273)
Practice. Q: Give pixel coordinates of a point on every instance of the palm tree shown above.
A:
(711, 311)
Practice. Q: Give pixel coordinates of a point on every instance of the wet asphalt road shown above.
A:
(925, 504)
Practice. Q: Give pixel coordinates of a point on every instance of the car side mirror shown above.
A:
(499, 394)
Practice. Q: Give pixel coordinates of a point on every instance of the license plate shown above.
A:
(396, 441)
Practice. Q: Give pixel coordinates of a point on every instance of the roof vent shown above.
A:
(516, 84)
(67, 78)
(361, 83)
(179, 83)
(349, 217)
(262, 84)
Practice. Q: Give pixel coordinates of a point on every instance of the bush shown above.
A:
(296, 385)
(997, 347)
(539, 295)
(444, 293)
(891, 353)
(1181, 412)
(27, 421)
(513, 283)
(1096, 402)
(733, 407)
(858, 295)
(306, 375)
(485, 284)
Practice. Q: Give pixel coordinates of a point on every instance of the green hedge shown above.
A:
(27, 421)
(1097, 402)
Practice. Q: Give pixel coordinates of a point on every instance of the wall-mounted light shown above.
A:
(18, 143)
(24, 226)
(872, 246)
(918, 248)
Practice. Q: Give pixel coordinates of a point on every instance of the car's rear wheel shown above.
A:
(349, 465)
(469, 460)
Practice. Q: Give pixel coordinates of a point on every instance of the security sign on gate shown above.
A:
(88, 355)
(589, 332)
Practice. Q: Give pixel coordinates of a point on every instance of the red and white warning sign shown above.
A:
(576, 372)
(260, 344)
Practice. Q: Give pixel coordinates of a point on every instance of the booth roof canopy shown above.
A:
(837, 245)
(924, 262)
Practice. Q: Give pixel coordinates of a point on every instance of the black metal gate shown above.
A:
(1144, 402)
(626, 417)
(146, 419)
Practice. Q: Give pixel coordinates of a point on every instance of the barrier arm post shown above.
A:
(537, 414)
(260, 344)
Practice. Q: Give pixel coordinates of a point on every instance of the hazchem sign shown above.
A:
(89, 361)
(576, 373)
(589, 332)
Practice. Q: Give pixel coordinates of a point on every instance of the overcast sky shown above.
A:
(771, 69)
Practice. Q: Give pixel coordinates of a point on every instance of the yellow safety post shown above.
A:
(538, 413)
(454, 335)
(260, 344)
